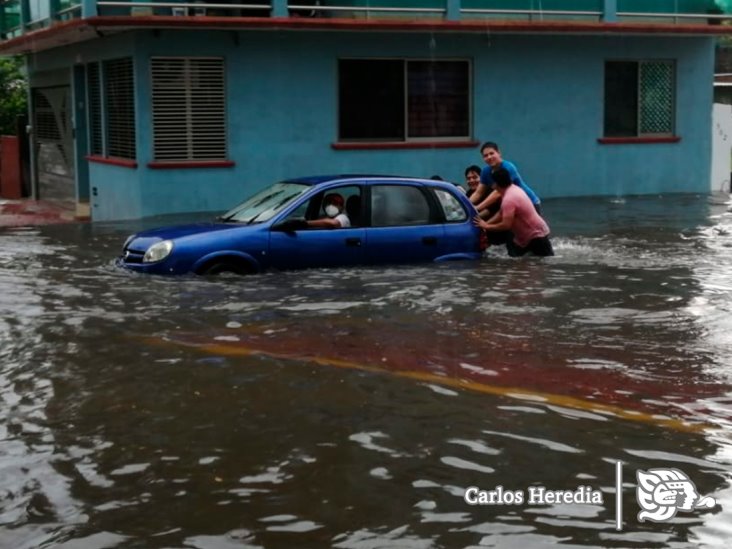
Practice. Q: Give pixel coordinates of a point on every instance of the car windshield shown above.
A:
(266, 203)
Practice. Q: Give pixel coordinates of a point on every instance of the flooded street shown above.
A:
(352, 408)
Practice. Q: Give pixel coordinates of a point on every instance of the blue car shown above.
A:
(392, 220)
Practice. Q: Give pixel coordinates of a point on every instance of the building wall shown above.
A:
(113, 192)
(540, 97)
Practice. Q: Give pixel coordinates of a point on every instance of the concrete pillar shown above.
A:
(279, 8)
(24, 14)
(29, 134)
(610, 11)
(89, 8)
(453, 10)
(54, 6)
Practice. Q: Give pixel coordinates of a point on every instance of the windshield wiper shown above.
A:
(253, 219)
(226, 219)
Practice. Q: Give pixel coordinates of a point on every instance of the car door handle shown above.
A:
(355, 241)
(429, 240)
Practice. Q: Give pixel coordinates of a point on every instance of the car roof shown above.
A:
(319, 179)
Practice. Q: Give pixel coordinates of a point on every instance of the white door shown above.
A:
(721, 147)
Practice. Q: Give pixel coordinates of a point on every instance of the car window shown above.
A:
(393, 205)
(300, 212)
(266, 203)
(345, 192)
(315, 207)
(451, 206)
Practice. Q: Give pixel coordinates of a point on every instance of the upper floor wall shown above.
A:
(21, 17)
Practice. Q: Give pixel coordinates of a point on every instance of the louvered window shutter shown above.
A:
(189, 108)
(94, 92)
(119, 93)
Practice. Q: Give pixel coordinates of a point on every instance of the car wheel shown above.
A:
(221, 267)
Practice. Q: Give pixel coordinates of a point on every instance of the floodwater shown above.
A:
(353, 408)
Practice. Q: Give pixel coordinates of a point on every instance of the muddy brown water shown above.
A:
(352, 408)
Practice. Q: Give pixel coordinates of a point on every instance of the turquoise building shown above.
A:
(141, 108)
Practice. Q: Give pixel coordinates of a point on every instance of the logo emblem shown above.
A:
(663, 492)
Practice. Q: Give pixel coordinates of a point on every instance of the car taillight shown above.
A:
(482, 241)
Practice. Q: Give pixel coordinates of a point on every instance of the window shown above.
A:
(266, 203)
(639, 98)
(111, 109)
(120, 95)
(96, 144)
(315, 207)
(393, 205)
(398, 100)
(451, 206)
(189, 108)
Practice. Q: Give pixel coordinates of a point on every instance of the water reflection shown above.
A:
(353, 408)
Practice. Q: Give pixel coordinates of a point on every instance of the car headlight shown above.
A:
(158, 251)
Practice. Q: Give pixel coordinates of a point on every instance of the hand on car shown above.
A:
(478, 222)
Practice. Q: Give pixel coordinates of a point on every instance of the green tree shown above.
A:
(13, 98)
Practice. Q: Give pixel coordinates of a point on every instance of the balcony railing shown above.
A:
(19, 16)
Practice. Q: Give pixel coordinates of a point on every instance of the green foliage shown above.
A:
(13, 98)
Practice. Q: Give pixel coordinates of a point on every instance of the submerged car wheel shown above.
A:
(227, 266)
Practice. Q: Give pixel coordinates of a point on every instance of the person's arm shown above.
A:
(480, 191)
(502, 221)
(492, 199)
(496, 223)
(325, 223)
(495, 218)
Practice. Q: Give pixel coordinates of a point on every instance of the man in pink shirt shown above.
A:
(518, 215)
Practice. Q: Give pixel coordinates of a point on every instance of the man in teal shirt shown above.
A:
(485, 198)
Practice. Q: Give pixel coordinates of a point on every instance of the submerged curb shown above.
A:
(19, 213)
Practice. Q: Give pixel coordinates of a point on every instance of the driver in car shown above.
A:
(335, 217)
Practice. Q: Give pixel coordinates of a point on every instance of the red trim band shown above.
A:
(637, 140)
(121, 162)
(77, 30)
(191, 164)
(375, 145)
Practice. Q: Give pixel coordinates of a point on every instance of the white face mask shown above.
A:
(331, 210)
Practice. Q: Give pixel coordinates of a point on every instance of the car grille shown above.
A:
(132, 256)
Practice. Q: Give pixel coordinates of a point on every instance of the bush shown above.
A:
(13, 94)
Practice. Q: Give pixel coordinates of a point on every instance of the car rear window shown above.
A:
(451, 206)
(395, 205)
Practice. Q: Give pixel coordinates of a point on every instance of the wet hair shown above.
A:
(489, 145)
(501, 178)
(473, 168)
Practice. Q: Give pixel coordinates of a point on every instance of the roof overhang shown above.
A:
(79, 30)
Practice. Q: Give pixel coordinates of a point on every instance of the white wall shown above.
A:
(721, 147)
